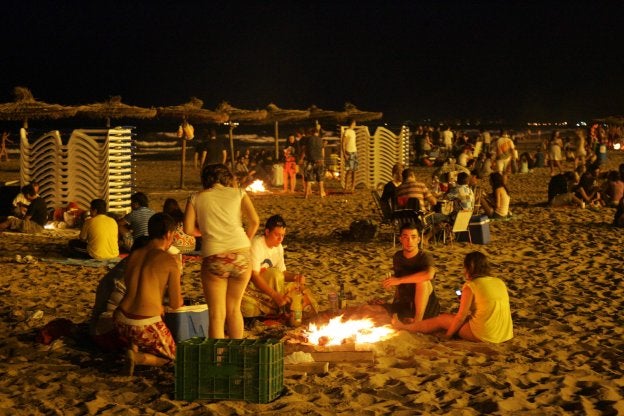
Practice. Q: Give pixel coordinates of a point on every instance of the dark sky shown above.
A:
(413, 59)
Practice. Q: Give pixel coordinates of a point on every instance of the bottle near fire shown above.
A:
(296, 309)
(333, 302)
(342, 304)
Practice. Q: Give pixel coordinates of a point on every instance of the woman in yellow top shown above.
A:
(484, 314)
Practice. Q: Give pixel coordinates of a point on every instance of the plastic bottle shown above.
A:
(341, 297)
(333, 302)
(296, 309)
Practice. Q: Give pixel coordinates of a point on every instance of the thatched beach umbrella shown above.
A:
(237, 115)
(317, 114)
(190, 112)
(25, 107)
(113, 108)
(351, 112)
(278, 115)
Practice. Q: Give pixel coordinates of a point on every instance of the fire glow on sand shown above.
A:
(337, 332)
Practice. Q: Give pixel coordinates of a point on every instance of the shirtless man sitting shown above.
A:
(150, 271)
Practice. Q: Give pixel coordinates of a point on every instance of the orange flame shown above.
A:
(256, 186)
(336, 332)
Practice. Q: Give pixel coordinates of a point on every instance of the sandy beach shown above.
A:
(564, 269)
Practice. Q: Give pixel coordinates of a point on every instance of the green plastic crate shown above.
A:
(229, 369)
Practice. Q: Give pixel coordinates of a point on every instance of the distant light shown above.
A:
(617, 146)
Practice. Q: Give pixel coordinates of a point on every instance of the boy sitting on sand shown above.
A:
(149, 271)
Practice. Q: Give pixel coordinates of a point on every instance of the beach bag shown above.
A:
(186, 131)
(362, 230)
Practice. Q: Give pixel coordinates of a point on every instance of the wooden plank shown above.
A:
(317, 367)
(343, 356)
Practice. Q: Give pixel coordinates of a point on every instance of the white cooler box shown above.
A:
(278, 175)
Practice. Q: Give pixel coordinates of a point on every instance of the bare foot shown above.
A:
(130, 361)
(395, 322)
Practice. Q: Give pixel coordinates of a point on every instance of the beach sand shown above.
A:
(564, 269)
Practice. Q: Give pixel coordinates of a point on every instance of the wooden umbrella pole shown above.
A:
(276, 142)
(183, 156)
(183, 163)
(232, 147)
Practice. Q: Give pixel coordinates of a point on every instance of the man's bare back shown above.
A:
(149, 272)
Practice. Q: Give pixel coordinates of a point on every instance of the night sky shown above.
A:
(412, 60)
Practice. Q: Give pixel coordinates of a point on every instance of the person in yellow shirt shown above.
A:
(484, 313)
(98, 236)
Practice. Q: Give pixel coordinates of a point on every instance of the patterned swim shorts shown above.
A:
(227, 265)
(151, 335)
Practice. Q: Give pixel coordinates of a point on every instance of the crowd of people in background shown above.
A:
(232, 255)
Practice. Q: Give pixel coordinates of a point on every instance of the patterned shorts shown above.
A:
(227, 265)
(151, 335)
(351, 162)
(314, 171)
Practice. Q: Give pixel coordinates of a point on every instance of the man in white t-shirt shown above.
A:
(349, 148)
(268, 290)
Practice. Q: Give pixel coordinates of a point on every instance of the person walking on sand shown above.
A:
(3, 147)
(150, 272)
(484, 313)
(217, 211)
(314, 153)
(290, 164)
(349, 148)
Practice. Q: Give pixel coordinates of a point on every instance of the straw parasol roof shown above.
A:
(320, 114)
(237, 114)
(25, 107)
(278, 115)
(113, 108)
(351, 112)
(274, 113)
(192, 111)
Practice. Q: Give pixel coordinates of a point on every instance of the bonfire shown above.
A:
(338, 332)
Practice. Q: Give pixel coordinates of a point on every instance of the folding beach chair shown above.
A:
(460, 225)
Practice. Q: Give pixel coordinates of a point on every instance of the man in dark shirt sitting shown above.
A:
(36, 215)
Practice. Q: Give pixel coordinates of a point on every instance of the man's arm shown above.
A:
(173, 284)
(190, 218)
(262, 285)
(417, 277)
(253, 222)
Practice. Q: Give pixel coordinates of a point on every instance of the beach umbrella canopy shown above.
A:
(351, 112)
(320, 114)
(278, 115)
(25, 108)
(237, 115)
(240, 115)
(190, 112)
(113, 108)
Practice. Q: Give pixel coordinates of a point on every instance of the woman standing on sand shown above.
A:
(226, 265)
(484, 313)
